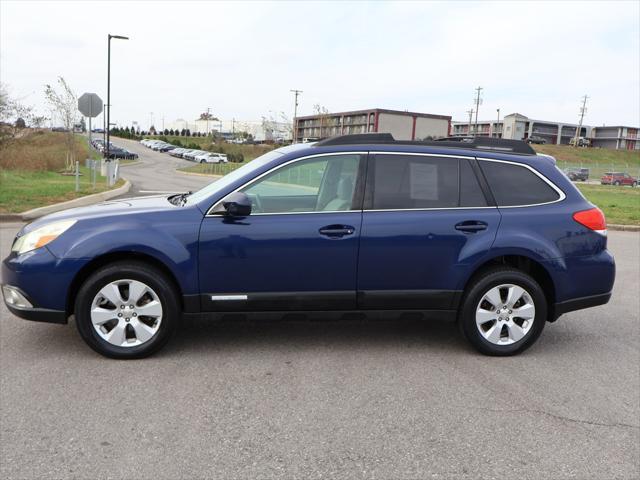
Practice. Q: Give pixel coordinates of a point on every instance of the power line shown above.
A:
(295, 113)
(583, 110)
(470, 112)
(478, 102)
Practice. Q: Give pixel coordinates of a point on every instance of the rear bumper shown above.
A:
(580, 303)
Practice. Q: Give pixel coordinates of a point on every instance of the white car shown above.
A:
(192, 154)
(177, 152)
(210, 157)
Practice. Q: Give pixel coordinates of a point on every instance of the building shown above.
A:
(402, 125)
(625, 138)
(520, 127)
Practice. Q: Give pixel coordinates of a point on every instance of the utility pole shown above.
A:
(478, 102)
(583, 110)
(470, 112)
(150, 120)
(295, 114)
(208, 108)
(498, 123)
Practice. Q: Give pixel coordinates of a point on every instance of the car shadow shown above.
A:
(226, 335)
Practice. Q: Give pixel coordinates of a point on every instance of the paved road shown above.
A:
(156, 172)
(384, 400)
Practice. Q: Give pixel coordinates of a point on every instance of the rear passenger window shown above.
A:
(414, 181)
(515, 185)
(470, 192)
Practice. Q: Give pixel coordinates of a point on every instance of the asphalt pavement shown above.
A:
(156, 172)
(405, 399)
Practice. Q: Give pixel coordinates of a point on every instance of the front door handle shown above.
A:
(471, 226)
(337, 231)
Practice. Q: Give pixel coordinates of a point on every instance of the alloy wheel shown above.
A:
(505, 314)
(126, 313)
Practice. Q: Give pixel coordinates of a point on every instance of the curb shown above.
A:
(198, 174)
(624, 228)
(76, 202)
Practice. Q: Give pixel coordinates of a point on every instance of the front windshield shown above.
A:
(231, 177)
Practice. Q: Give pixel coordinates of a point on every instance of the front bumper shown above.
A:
(43, 280)
(30, 310)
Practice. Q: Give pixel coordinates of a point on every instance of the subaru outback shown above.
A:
(482, 232)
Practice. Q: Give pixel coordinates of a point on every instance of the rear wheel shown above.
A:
(616, 183)
(634, 184)
(127, 310)
(503, 312)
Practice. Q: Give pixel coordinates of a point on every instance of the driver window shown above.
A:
(322, 184)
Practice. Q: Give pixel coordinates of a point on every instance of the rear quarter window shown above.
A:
(515, 185)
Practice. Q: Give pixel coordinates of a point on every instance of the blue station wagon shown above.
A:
(481, 231)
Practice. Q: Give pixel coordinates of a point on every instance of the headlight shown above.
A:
(41, 236)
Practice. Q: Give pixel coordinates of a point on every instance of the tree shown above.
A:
(152, 130)
(20, 123)
(187, 132)
(171, 132)
(83, 124)
(65, 103)
(38, 121)
(182, 132)
(166, 131)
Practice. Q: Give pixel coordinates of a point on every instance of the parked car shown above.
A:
(177, 152)
(536, 139)
(192, 154)
(357, 223)
(117, 152)
(210, 157)
(582, 142)
(618, 178)
(576, 174)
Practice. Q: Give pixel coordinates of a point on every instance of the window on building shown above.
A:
(515, 185)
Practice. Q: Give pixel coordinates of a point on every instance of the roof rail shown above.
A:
(469, 143)
(356, 139)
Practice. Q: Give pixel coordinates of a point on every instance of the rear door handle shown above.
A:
(471, 226)
(337, 231)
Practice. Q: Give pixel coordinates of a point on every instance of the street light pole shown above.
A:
(498, 123)
(109, 37)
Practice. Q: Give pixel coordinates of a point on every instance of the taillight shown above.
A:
(593, 219)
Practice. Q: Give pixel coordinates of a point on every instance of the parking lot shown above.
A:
(392, 399)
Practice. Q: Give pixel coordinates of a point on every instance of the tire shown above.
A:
(617, 184)
(202, 161)
(525, 332)
(634, 184)
(130, 337)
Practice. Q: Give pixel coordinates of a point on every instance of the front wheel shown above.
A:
(634, 184)
(127, 310)
(503, 312)
(617, 184)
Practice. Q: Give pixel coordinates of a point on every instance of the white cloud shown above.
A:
(241, 59)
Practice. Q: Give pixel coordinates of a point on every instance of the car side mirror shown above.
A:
(236, 204)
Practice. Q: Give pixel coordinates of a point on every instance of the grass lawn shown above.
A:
(30, 172)
(23, 190)
(598, 160)
(621, 205)
(212, 168)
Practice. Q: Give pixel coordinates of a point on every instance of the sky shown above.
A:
(241, 59)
